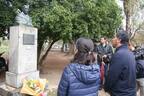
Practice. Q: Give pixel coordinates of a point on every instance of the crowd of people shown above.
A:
(93, 68)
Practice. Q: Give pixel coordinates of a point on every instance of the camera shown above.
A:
(100, 58)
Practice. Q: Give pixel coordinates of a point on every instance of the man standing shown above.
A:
(104, 50)
(121, 78)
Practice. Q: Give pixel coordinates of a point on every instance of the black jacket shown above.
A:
(104, 50)
(121, 79)
(139, 69)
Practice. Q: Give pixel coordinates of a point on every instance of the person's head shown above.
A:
(120, 38)
(84, 53)
(25, 9)
(103, 40)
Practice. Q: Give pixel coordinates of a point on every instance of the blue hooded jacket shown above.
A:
(80, 80)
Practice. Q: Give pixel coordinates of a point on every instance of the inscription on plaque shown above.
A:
(28, 39)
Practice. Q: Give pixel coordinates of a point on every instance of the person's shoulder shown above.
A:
(69, 67)
(124, 53)
(119, 54)
(99, 46)
(95, 65)
(109, 45)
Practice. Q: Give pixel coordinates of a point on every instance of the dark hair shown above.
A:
(105, 38)
(123, 36)
(84, 58)
(85, 53)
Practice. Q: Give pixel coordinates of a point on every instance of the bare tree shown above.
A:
(134, 15)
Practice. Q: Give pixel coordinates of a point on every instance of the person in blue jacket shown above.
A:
(82, 76)
(121, 78)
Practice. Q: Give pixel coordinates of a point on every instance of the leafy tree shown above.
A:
(68, 19)
(8, 13)
(54, 23)
(5, 19)
(93, 18)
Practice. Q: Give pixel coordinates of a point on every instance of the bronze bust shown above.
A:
(22, 17)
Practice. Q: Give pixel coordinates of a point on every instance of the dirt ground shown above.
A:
(52, 69)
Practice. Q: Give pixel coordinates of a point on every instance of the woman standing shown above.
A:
(82, 76)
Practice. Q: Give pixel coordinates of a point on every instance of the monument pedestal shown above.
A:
(15, 80)
(22, 55)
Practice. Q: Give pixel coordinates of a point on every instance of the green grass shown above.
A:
(4, 46)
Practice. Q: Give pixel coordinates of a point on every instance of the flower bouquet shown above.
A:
(34, 87)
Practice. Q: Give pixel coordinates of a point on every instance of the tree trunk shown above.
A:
(127, 14)
(46, 53)
(39, 54)
(62, 48)
(128, 28)
(71, 48)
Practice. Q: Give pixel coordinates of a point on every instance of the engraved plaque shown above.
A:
(28, 39)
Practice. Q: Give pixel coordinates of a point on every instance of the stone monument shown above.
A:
(23, 51)
(22, 55)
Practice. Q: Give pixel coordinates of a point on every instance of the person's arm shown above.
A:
(64, 84)
(113, 73)
(110, 51)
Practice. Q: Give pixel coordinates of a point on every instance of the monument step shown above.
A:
(9, 91)
(6, 90)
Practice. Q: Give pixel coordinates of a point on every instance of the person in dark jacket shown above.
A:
(121, 79)
(104, 50)
(82, 76)
(140, 76)
(139, 56)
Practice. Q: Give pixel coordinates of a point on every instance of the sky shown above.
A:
(120, 3)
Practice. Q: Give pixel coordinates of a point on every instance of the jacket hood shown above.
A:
(86, 74)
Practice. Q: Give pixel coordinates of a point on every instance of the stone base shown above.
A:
(15, 80)
(6, 90)
(9, 91)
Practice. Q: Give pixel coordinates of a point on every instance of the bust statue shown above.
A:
(22, 17)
